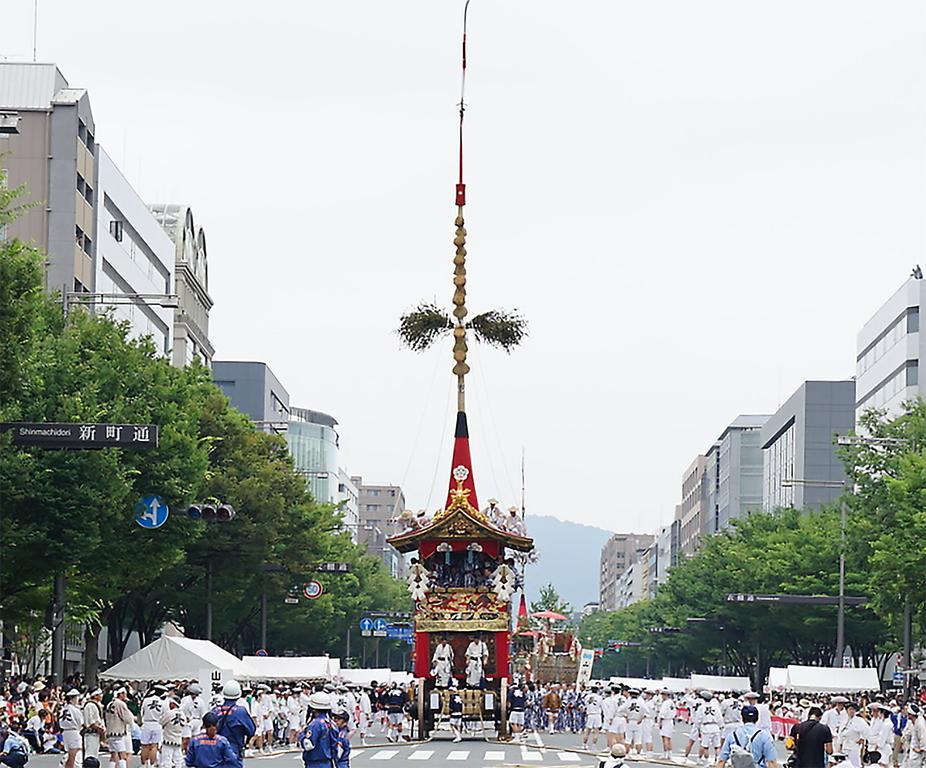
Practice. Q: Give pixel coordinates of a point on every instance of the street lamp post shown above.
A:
(80, 298)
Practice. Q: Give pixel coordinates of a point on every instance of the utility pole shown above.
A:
(57, 629)
(263, 614)
(209, 600)
(347, 650)
(841, 611)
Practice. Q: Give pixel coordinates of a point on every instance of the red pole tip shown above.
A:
(461, 194)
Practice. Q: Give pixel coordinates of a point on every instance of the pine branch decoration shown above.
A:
(424, 325)
(499, 328)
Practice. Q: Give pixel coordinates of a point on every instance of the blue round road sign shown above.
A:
(151, 512)
(260, 653)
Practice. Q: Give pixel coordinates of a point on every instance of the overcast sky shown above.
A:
(695, 204)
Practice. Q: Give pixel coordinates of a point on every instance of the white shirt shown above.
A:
(667, 711)
(593, 704)
(194, 707)
(477, 650)
(151, 709)
(71, 718)
(835, 720)
(173, 721)
(710, 713)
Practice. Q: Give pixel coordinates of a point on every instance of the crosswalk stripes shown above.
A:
(421, 754)
(494, 756)
(568, 757)
(530, 754)
(385, 754)
(458, 755)
(527, 755)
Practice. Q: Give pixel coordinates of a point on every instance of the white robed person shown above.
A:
(477, 656)
(442, 663)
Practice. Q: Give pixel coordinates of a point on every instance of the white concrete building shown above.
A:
(888, 352)
(630, 585)
(349, 499)
(133, 256)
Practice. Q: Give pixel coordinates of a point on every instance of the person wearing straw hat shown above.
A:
(836, 717)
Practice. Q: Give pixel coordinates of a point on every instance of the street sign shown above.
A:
(396, 632)
(260, 652)
(897, 680)
(151, 512)
(291, 600)
(664, 630)
(332, 568)
(366, 624)
(313, 590)
(380, 625)
(391, 614)
(82, 436)
(738, 597)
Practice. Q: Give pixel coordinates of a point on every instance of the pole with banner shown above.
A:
(586, 661)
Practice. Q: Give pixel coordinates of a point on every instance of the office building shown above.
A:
(349, 499)
(378, 507)
(689, 514)
(733, 471)
(888, 352)
(630, 585)
(618, 552)
(132, 256)
(255, 391)
(191, 270)
(666, 548)
(801, 468)
(314, 442)
(51, 151)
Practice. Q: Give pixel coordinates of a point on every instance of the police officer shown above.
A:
(234, 722)
(209, 749)
(319, 746)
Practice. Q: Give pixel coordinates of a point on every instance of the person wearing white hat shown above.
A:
(71, 720)
(635, 709)
(173, 722)
(235, 723)
(615, 758)
(94, 727)
(364, 714)
(194, 707)
(853, 736)
(916, 738)
(119, 721)
(152, 707)
(730, 711)
(881, 738)
(319, 746)
(594, 707)
(665, 718)
(836, 717)
(711, 719)
(494, 513)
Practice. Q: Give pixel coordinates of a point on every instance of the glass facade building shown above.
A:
(313, 443)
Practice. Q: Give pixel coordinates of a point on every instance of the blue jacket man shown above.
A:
(749, 736)
(319, 745)
(234, 722)
(209, 749)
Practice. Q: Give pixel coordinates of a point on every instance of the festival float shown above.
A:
(468, 562)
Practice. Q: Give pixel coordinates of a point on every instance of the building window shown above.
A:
(81, 184)
(115, 229)
(88, 193)
(913, 373)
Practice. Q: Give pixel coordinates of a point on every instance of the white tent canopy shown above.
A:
(290, 667)
(675, 684)
(640, 683)
(831, 679)
(366, 676)
(176, 658)
(777, 678)
(721, 683)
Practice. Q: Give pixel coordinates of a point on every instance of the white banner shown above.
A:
(585, 666)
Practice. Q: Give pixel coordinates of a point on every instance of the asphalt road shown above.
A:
(561, 749)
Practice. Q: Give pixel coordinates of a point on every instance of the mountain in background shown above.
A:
(569, 559)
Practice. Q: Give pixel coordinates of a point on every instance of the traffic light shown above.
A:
(211, 513)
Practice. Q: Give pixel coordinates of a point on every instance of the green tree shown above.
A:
(549, 600)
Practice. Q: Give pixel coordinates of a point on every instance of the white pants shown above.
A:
(635, 733)
(72, 740)
(171, 756)
(91, 745)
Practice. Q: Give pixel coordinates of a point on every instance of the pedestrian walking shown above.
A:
(319, 746)
(750, 740)
(812, 741)
(119, 721)
(234, 722)
(341, 720)
(71, 720)
(94, 727)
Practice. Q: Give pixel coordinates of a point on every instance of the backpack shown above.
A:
(742, 757)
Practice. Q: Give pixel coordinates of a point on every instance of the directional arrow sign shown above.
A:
(380, 625)
(366, 624)
(151, 512)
